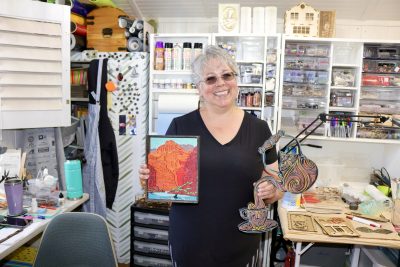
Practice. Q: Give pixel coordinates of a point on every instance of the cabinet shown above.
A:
(380, 89)
(257, 57)
(149, 235)
(171, 91)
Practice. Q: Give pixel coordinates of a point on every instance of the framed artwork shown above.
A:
(174, 168)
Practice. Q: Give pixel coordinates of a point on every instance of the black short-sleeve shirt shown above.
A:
(206, 234)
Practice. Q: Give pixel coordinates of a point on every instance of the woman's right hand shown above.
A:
(144, 174)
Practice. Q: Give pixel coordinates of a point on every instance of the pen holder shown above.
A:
(14, 195)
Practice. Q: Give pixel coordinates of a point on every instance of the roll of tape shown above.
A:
(78, 19)
(135, 44)
(77, 42)
(78, 29)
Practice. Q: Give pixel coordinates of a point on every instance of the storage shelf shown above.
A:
(172, 72)
(344, 109)
(344, 88)
(79, 99)
(250, 85)
(175, 91)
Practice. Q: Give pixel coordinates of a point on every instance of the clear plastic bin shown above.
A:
(149, 218)
(148, 233)
(139, 260)
(146, 247)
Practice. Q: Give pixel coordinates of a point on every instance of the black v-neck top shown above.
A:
(206, 234)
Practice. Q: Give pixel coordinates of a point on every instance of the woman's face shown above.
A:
(219, 86)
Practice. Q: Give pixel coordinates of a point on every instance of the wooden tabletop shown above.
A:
(319, 237)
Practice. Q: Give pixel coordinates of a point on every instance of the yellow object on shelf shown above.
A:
(103, 3)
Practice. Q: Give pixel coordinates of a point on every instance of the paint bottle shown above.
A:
(187, 56)
(177, 57)
(159, 56)
(168, 56)
(197, 50)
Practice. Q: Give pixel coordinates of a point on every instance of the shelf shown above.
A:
(79, 99)
(251, 108)
(344, 65)
(250, 85)
(175, 91)
(249, 62)
(344, 109)
(344, 88)
(381, 73)
(172, 72)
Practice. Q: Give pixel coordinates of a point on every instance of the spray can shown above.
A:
(73, 179)
(197, 50)
(187, 56)
(177, 57)
(159, 56)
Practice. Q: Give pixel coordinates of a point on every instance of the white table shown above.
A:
(37, 227)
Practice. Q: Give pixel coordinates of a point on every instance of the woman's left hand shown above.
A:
(266, 191)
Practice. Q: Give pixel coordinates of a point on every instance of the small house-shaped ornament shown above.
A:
(302, 20)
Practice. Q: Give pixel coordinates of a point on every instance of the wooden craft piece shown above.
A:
(256, 215)
(301, 222)
(336, 226)
(376, 231)
(103, 31)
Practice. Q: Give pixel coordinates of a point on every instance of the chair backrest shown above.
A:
(76, 239)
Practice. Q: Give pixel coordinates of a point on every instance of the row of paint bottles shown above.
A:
(175, 57)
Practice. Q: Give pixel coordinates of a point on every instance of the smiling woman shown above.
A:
(228, 167)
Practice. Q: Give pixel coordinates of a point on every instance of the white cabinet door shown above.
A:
(34, 64)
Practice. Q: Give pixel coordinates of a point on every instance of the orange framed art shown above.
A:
(174, 168)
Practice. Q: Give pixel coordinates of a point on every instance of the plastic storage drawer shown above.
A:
(151, 234)
(146, 247)
(151, 219)
(139, 260)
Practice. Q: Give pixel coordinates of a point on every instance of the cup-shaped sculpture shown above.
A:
(297, 173)
(256, 215)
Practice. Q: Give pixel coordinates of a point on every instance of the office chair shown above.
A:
(76, 239)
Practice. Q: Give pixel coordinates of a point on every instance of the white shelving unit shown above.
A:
(182, 99)
(340, 76)
(257, 56)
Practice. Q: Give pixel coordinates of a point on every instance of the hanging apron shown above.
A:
(93, 181)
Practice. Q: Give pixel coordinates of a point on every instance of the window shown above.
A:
(294, 16)
(309, 16)
(301, 30)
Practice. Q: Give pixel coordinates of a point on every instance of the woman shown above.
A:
(206, 234)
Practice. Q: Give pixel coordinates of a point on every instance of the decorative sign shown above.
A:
(228, 18)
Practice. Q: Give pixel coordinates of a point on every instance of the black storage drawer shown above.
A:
(149, 235)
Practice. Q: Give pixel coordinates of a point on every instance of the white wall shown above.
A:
(387, 30)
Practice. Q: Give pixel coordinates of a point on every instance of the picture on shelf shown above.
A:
(174, 168)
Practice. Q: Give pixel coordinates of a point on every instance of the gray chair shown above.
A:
(76, 239)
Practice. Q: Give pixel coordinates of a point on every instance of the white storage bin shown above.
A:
(148, 233)
(148, 218)
(147, 247)
(151, 262)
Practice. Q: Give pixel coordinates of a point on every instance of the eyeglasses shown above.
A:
(229, 76)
